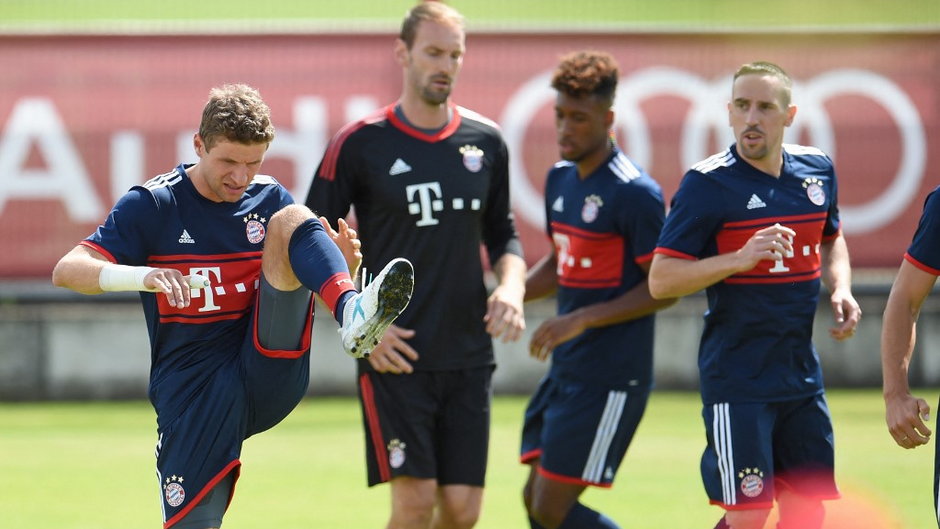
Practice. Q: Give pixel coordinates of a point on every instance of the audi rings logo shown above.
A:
(708, 115)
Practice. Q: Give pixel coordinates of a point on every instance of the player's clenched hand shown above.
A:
(767, 244)
(393, 353)
(348, 242)
(504, 315)
(172, 283)
(906, 416)
(847, 314)
(552, 333)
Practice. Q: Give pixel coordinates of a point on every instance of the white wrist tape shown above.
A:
(120, 278)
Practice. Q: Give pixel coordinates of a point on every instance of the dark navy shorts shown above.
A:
(199, 448)
(427, 425)
(579, 433)
(756, 448)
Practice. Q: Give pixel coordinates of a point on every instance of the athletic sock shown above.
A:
(583, 517)
(320, 266)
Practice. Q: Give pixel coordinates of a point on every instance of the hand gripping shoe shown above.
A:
(368, 313)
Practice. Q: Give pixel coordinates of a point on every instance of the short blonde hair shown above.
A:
(237, 113)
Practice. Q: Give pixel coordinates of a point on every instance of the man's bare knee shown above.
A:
(747, 519)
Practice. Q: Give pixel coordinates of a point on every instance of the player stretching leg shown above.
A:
(226, 265)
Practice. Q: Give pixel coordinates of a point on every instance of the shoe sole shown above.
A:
(392, 300)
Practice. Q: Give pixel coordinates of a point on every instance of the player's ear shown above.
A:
(401, 52)
(609, 118)
(198, 144)
(791, 113)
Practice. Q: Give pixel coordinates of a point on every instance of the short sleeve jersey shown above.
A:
(757, 342)
(602, 228)
(431, 198)
(166, 223)
(924, 251)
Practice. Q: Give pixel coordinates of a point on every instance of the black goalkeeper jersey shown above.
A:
(432, 199)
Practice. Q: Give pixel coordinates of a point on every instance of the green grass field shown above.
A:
(516, 13)
(78, 466)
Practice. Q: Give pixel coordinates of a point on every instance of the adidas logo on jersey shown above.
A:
(186, 239)
(559, 205)
(399, 167)
(755, 202)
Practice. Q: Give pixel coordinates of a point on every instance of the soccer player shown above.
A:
(907, 416)
(430, 181)
(603, 214)
(225, 265)
(757, 226)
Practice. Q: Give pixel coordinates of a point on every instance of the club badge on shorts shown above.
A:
(472, 158)
(814, 191)
(592, 206)
(254, 227)
(173, 491)
(396, 453)
(752, 482)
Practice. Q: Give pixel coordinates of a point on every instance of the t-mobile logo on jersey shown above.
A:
(428, 200)
(424, 199)
(214, 274)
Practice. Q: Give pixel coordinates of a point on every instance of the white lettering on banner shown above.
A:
(34, 121)
(708, 115)
(127, 162)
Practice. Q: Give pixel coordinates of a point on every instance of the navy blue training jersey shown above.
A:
(166, 223)
(924, 252)
(602, 227)
(757, 342)
(431, 198)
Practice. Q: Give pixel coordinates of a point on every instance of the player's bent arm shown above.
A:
(80, 270)
(542, 279)
(632, 304)
(674, 277)
(898, 332)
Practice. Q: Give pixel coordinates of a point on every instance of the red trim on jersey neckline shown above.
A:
(445, 132)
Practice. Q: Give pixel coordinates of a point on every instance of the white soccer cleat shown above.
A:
(368, 313)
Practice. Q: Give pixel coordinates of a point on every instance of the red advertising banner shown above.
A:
(82, 118)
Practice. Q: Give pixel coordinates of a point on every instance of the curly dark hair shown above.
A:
(237, 113)
(587, 73)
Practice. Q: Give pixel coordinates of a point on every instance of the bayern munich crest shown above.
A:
(254, 228)
(396, 453)
(752, 482)
(173, 491)
(592, 206)
(814, 190)
(472, 158)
